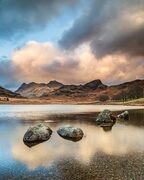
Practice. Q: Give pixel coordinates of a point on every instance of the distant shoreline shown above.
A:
(14, 101)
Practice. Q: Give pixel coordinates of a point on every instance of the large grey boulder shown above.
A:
(70, 133)
(105, 117)
(37, 134)
(124, 115)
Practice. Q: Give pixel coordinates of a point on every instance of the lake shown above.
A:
(116, 153)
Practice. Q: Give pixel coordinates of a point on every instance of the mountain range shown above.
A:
(91, 91)
(38, 89)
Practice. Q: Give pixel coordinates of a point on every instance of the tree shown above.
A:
(103, 98)
(133, 93)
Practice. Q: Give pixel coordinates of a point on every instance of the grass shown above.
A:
(139, 101)
(135, 102)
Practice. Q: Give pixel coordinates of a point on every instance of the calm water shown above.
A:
(114, 154)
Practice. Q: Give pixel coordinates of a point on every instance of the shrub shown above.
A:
(103, 98)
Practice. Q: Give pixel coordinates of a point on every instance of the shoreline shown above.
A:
(25, 101)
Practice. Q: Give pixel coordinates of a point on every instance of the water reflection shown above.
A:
(124, 139)
(34, 111)
(31, 144)
(107, 128)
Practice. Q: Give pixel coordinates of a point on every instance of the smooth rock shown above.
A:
(70, 133)
(37, 134)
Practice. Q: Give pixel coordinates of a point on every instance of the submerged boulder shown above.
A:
(124, 115)
(70, 133)
(37, 134)
(105, 117)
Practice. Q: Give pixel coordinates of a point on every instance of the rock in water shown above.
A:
(37, 134)
(105, 117)
(124, 115)
(107, 127)
(70, 133)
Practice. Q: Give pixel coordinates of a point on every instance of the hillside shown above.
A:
(126, 91)
(80, 91)
(55, 88)
(7, 93)
(33, 89)
(91, 91)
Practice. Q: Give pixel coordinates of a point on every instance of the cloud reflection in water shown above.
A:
(120, 141)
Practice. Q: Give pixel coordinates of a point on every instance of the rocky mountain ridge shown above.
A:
(90, 91)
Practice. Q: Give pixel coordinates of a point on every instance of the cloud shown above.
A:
(42, 62)
(130, 43)
(111, 27)
(105, 42)
(18, 17)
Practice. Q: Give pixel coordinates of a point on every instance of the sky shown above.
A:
(71, 41)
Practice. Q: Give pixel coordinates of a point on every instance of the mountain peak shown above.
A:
(54, 83)
(94, 84)
(25, 86)
(33, 89)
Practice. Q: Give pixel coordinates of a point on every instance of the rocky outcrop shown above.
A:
(70, 133)
(105, 117)
(37, 134)
(124, 115)
(93, 85)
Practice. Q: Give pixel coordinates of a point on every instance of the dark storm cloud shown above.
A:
(110, 26)
(20, 16)
(130, 44)
(85, 27)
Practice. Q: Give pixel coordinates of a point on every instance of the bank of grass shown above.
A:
(135, 102)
